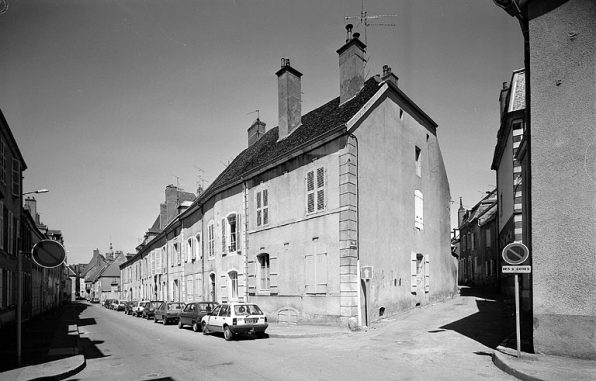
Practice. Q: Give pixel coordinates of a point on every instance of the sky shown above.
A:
(110, 101)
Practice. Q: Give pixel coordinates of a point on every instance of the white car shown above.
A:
(233, 318)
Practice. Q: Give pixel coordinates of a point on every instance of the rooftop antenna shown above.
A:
(363, 19)
(201, 179)
(177, 187)
(256, 111)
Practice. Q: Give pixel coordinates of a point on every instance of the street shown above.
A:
(448, 341)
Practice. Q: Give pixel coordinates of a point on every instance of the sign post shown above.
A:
(515, 254)
(367, 273)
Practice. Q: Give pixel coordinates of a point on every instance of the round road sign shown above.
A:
(516, 253)
(48, 253)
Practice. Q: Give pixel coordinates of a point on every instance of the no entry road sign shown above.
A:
(48, 253)
(515, 253)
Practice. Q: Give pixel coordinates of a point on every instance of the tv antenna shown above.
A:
(252, 112)
(201, 179)
(363, 19)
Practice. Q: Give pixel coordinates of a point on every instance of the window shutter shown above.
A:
(265, 206)
(158, 261)
(309, 274)
(1, 226)
(321, 268)
(273, 274)
(427, 273)
(238, 235)
(223, 235)
(414, 275)
(310, 191)
(223, 283)
(321, 176)
(252, 277)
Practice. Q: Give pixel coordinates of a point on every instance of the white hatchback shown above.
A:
(233, 318)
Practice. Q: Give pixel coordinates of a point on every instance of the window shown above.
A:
(3, 162)
(419, 210)
(488, 243)
(189, 288)
(10, 233)
(469, 240)
(473, 241)
(211, 239)
(232, 232)
(315, 190)
(1, 225)
(263, 272)
(189, 250)
(262, 207)
(233, 284)
(152, 262)
(420, 273)
(316, 270)
(177, 253)
(16, 177)
(418, 162)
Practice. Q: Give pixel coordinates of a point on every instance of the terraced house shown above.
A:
(359, 181)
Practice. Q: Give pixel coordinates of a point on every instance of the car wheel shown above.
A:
(180, 325)
(154, 319)
(205, 329)
(195, 327)
(228, 335)
(164, 321)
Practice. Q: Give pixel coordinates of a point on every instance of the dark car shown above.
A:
(149, 310)
(193, 313)
(108, 303)
(129, 306)
(168, 312)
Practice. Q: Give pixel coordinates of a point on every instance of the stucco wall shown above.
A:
(386, 183)
(563, 107)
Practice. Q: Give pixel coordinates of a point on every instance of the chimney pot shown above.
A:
(356, 35)
(289, 98)
(351, 67)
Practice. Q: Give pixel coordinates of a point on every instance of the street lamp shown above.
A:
(20, 285)
(36, 192)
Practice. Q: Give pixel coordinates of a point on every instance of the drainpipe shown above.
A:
(358, 233)
(245, 235)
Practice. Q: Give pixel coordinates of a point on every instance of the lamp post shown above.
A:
(20, 284)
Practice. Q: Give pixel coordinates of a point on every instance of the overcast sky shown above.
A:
(112, 100)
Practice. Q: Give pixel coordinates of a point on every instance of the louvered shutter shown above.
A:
(310, 191)
(414, 275)
(238, 235)
(320, 188)
(265, 206)
(273, 275)
(426, 273)
(223, 235)
(158, 261)
(223, 283)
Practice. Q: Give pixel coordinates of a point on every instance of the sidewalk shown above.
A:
(532, 367)
(49, 347)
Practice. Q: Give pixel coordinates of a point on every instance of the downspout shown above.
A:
(358, 233)
(245, 235)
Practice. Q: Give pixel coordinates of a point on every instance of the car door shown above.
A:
(222, 317)
(185, 315)
(212, 319)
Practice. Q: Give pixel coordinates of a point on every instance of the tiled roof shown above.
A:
(315, 124)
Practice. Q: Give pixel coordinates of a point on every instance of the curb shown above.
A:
(306, 335)
(500, 359)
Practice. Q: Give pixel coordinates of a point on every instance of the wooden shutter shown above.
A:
(158, 261)
(252, 276)
(321, 188)
(223, 283)
(273, 274)
(413, 272)
(309, 274)
(321, 267)
(265, 206)
(426, 273)
(310, 191)
(238, 235)
(223, 235)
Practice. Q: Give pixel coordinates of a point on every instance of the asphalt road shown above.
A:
(446, 341)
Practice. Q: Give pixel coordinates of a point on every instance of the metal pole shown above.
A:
(367, 296)
(517, 325)
(19, 303)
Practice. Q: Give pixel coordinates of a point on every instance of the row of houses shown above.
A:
(290, 222)
(545, 172)
(43, 288)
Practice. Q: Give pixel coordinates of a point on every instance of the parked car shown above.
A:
(94, 300)
(138, 309)
(129, 306)
(193, 313)
(108, 303)
(168, 312)
(234, 318)
(118, 305)
(150, 307)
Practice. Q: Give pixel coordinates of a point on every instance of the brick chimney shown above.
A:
(255, 131)
(351, 66)
(289, 98)
(388, 75)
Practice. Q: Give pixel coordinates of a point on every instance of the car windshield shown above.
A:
(206, 307)
(247, 309)
(134, 304)
(175, 306)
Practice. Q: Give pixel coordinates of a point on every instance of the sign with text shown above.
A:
(517, 269)
(366, 272)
